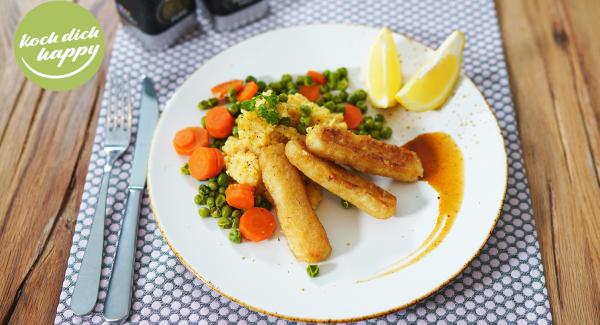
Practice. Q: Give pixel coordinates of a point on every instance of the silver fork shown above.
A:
(117, 136)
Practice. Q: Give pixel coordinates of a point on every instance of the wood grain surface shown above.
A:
(553, 54)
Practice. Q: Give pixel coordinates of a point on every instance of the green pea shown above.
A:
(363, 132)
(308, 80)
(235, 223)
(213, 185)
(330, 105)
(203, 212)
(261, 85)
(276, 86)
(203, 189)
(306, 120)
(285, 121)
(320, 101)
(226, 211)
(212, 194)
(231, 99)
(326, 73)
(305, 109)
(342, 71)
(220, 200)
(234, 108)
(327, 96)
(361, 94)
(203, 121)
(291, 85)
(377, 125)
(361, 104)
(376, 134)
(215, 212)
(283, 98)
(224, 223)
(379, 118)
(324, 89)
(301, 128)
(231, 92)
(198, 199)
(185, 169)
(223, 179)
(352, 99)
(362, 126)
(292, 91)
(250, 78)
(340, 108)
(333, 77)
(386, 132)
(235, 132)
(210, 202)
(236, 213)
(346, 204)
(235, 236)
(343, 95)
(222, 189)
(300, 81)
(342, 84)
(286, 78)
(312, 270)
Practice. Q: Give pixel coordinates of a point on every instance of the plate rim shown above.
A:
(330, 320)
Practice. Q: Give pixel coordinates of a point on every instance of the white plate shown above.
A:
(265, 276)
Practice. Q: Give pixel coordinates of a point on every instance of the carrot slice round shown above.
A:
(257, 224)
(250, 89)
(219, 122)
(352, 116)
(189, 139)
(311, 93)
(221, 89)
(238, 198)
(204, 163)
(316, 77)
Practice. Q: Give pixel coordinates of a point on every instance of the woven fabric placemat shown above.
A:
(504, 284)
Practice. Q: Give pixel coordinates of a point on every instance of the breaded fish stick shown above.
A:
(364, 153)
(362, 193)
(304, 232)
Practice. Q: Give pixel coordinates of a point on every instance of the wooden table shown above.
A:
(553, 54)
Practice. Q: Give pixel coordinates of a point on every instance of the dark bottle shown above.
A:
(157, 23)
(231, 14)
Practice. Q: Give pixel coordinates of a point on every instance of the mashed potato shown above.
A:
(254, 133)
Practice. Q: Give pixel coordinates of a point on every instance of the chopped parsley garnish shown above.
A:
(266, 108)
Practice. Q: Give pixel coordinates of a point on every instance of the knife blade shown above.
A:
(118, 298)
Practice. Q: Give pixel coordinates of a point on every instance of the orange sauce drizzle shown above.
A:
(443, 166)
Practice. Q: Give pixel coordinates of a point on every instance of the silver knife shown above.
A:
(118, 299)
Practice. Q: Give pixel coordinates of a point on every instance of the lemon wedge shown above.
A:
(384, 77)
(434, 81)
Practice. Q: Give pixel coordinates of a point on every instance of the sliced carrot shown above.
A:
(317, 77)
(219, 122)
(221, 89)
(204, 163)
(250, 89)
(352, 116)
(189, 139)
(257, 224)
(240, 196)
(310, 92)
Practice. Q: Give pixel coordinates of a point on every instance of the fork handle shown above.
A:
(86, 288)
(118, 299)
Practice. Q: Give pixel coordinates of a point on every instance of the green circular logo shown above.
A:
(59, 45)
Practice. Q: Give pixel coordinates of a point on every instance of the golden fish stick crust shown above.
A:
(305, 234)
(360, 192)
(364, 153)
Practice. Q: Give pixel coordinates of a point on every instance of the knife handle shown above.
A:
(86, 289)
(118, 298)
